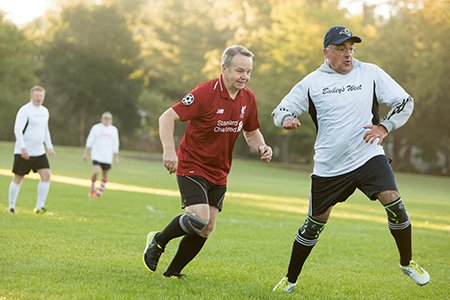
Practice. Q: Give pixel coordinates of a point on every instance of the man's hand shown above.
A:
(51, 152)
(24, 154)
(266, 153)
(170, 161)
(291, 123)
(375, 132)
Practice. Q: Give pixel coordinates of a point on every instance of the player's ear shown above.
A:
(223, 67)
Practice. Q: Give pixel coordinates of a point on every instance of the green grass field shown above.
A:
(92, 248)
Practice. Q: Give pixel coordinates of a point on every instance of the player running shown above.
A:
(103, 143)
(216, 111)
(342, 97)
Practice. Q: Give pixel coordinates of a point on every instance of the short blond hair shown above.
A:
(37, 88)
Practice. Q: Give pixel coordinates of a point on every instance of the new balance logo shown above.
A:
(220, 111)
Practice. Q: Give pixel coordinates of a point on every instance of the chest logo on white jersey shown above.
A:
(242, 111)
(220, 111)
(188, 99)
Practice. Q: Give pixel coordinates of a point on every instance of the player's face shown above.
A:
(37, 97)
(340, 56)
(106, 120)
(237, 75)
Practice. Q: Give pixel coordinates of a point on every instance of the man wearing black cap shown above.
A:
(342, 96)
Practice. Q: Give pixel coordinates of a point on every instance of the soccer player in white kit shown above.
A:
(342, 96)
(31, 131)
(103, 143)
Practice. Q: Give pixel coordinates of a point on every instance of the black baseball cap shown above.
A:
(338, 35)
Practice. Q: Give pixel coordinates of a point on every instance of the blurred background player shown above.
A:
(216, 112)
(103, 143)
(31, 131)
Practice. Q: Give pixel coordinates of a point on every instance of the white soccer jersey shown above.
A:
(31, 130)
(340, 105)
(104, 142)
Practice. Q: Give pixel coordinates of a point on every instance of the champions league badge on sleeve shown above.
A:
(188, 99)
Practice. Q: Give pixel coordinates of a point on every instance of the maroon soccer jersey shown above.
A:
(214, 122)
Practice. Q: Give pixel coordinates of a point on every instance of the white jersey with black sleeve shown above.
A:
(31, 130)
(340, 105)
(103, 142)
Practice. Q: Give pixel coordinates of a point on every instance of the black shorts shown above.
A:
(373, 177)
(23, 166)
(198, 190)
(104, 166)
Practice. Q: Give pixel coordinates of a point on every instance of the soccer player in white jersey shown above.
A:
(103, 143)
(342, 96)
(31, 131)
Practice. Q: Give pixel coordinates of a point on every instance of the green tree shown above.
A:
(90, 66)
(17, 74)
(417, 55)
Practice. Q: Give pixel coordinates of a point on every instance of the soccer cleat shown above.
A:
(40, 211)
(152, 252)
(416, 272)
(12, 210)
(91, 193)
(98, 194)
(174, 275)
(284, 286)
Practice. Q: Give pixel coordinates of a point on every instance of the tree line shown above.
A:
(136, 58)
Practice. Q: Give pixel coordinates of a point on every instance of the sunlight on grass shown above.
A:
(284, 204)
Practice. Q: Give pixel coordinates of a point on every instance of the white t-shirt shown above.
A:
(340, 105)
(35, 119)
(104, 142)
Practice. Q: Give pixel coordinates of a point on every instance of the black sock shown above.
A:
(403, 240)
(189, 247)
(298, 257)
(172, 230)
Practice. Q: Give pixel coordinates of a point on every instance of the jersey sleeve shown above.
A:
(293, 104)
(19, 126)
(193, 104)
(47, 136)
(91, 137)
(389, 92)
(116, 142)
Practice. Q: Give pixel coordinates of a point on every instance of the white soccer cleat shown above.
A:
(284, 286)
(416, 272)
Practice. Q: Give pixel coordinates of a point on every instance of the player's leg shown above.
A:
(105, 172)
(96, 169)
(42, 190)
(14, 188)
(400, 228)
(21, 167)
(190, 246)
(194, 197)
(377, 182)
(305, 241)
(325, 193)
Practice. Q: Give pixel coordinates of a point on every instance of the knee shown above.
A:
(397, 215)
(387, 197)
(309, 233)
(206, 232)
(191, 223)
(45, 176)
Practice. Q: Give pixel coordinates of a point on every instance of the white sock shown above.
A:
(43, 188)
(14, 189)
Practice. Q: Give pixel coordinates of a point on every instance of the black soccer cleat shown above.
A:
(152, 252)
(12, 211)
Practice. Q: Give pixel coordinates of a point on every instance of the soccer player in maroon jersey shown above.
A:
(216, 111)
